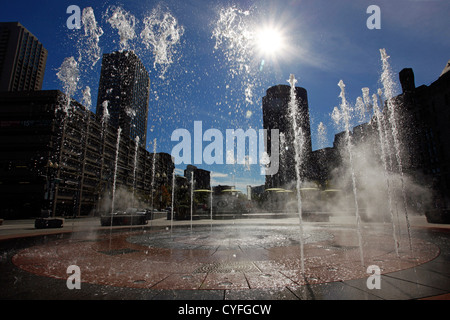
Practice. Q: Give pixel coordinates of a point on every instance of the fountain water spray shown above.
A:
(388, 149)
(211, 205)
(366, 100)
(87, 102)
(136, 149)
(88, 45)
(125, 24)
(173, 199)
(105, 117)
(389, 91)
(345, 114)
(119, 131)
(236, 36)
(87, 99)
(298, 143)
(161, 33)
(69, 75)
(383, 123)
(360, 109)
(153, 169)
(382, 139)
(321, 135)
(232, 30)
(283, 152)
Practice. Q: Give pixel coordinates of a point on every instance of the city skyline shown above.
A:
(327, 43)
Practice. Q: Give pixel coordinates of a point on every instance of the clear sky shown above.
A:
(218, 73)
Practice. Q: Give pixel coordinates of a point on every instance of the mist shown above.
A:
(123, 199)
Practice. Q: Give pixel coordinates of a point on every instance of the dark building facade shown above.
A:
(276, 115)
(425, 127)
(22, 59)
(124, 91)
(420, 150)
(202, 178)
(66, 162)
(422, 119)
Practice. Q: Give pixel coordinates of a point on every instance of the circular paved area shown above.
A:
(225, 257)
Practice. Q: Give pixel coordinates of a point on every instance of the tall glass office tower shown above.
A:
(22, 59)
(124, 92)
(276, 115)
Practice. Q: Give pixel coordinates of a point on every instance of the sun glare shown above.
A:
(269, 41)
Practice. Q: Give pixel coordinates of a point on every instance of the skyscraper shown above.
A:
(22, 59)
(276, 115)
(124, 91)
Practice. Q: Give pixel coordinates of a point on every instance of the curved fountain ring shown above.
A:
(229, 238)
(225, 257)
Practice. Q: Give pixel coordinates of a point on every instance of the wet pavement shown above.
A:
(243, 259)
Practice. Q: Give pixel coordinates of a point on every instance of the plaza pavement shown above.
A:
(430, 280)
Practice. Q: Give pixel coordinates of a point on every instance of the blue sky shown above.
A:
(324, 42)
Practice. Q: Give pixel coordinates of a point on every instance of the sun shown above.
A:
(269, 41)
